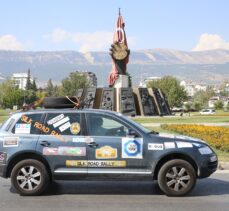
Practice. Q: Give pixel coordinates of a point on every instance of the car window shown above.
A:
(8, 126)
(63, 124)
(101, 125)
(26, 124)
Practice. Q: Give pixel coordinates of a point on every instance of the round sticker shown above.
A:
(75, 128)
(132, 148)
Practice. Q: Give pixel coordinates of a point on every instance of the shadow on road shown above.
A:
(203, 187)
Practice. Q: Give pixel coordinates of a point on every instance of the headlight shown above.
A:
(205, 150)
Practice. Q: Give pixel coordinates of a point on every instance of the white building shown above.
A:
(144, 82)
(20, 80)
(211, 102)
(191, 88)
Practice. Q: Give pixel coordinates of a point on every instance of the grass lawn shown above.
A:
(182, 120)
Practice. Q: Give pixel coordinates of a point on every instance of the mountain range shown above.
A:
(210, 67)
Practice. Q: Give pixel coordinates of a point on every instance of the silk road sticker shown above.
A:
(132, 148)
(75, 128)
(10, 142)
(72, 151)
(50, 151)
(154, 146)
(106, 152)
(95, 163)
(22, 128)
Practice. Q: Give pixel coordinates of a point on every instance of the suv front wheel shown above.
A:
(176, 177)
(30, 177)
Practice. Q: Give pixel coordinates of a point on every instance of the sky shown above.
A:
(88, 25)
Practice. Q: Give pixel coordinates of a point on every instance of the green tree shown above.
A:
(28, 82)
(203, 97)
(172, 89)
(40, 94)
(71, 84)
(218, 105)
(50, 88)
(223, 87)
(227, 107)
(10, 94)
(197, 106)
(30, 96)
(34, 85)
(188, 106)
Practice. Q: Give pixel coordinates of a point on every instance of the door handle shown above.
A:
(92, 144)
(44, 143)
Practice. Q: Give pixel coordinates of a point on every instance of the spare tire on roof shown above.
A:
(59, 102)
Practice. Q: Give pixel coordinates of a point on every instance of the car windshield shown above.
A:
(145, 130)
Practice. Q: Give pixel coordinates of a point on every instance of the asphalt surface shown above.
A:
(211, 194)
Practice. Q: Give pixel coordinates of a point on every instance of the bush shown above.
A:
(218, 104)
(217, 137)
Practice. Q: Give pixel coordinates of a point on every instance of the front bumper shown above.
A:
(208, 166)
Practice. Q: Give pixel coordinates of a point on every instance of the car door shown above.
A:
(111, 153)
(62, 142)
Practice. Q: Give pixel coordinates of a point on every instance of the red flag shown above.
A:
(120, 37)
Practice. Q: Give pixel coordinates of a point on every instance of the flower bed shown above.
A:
(217, 137)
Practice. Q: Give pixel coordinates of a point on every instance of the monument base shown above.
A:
(128, 101)
(122, 82)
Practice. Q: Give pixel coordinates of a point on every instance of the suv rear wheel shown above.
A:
(30, 177)
(176, 177)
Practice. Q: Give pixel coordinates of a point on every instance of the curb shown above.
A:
(223, 166)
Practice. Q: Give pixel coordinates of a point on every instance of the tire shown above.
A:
(59, 102)
(176, 178)
(30, 177)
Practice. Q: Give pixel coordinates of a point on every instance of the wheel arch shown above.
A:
(172, 156)
(26, 155)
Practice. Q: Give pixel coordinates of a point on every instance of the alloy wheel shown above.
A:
(177, 178)
(28, 178)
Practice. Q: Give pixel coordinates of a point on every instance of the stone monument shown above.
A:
(120, 96)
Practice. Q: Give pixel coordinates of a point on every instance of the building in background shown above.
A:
(192, 88)
(213, 100)
(21, 80)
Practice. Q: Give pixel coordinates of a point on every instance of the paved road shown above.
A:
(210, 194)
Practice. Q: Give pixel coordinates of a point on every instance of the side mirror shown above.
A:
(131, 132)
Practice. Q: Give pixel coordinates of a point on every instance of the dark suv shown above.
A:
(40, 146)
